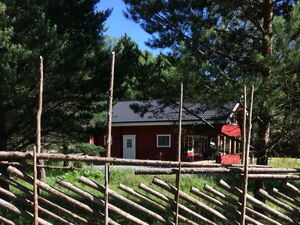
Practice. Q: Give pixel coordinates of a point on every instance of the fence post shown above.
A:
(247, 136)
(179, 154)
(109, 136)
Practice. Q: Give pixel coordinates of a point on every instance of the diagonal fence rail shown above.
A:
(84, 202)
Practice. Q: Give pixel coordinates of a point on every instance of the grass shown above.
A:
(285, 162)
(128, 178)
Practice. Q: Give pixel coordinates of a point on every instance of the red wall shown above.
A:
(146, 140)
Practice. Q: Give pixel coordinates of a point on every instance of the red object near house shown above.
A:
(92, 140)
(232, 130)
(229, 159)
(148, 130)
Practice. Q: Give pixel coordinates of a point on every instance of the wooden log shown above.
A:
(98, 159)
(277, 202)
(20, 212)
(237, 170)
(121, 198)
(10, 163)
(7, 221)
(41, 173)
(178, 174)
(238, 204)
(109, 136)
(193, 201)
(100, 202)
(275, 176)
(293, 201)
(27, 202)
(143, 198)
(257, 203)
(154, 204)
(246, 156)
(58, 194)
(35, 188)
(46, 201)
(171, 201)
(106, 194)
(15, 164)
(244, 134)
(222, 205)
(292, 188)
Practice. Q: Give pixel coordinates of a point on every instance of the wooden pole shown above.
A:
(171, 201)
(109, 136)
(292, 188)
(193, 201)
(58, 194)
(293, 201)
(7, 221)
(244, 123)
(35, 188)
(153, 203)
(100, 202)
(254, 173)
(41, 199)
(277, 202)
(234, 202)
(274, 176)
(246, 155)
(223, 206)
(29, 203)
(256, 202)
(86, 158)
(178, 174)
(10, 207)
(110, 105)
(121, 198)
(37, 148)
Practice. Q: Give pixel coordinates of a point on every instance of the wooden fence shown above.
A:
(139, 205)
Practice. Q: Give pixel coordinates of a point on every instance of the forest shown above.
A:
(215, 47)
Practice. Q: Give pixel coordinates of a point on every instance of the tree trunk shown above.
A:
(262, 151)
(265, 115)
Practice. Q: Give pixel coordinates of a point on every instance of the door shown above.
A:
(129, 151)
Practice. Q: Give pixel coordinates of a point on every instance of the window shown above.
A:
(129, 143)
(163, 141)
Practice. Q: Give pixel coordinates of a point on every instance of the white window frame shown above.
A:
(163, 146)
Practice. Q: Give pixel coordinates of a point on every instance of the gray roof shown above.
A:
(158, 111)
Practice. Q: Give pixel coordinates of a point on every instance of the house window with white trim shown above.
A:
(163, 140)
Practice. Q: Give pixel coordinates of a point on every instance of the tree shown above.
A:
(231, 43)
(68, 34)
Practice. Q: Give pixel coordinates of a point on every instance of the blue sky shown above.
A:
(117, 25)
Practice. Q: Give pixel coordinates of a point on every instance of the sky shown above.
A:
(117, 25)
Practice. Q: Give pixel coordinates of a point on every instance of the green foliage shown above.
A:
(68, 34)
(86, 148)
(218, 46)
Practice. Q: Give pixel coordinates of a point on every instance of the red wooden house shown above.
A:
(148, 130)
